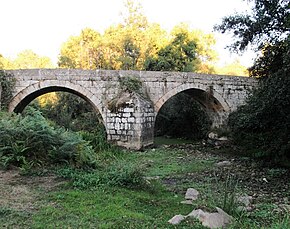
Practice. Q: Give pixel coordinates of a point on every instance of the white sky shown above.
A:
(43, 25)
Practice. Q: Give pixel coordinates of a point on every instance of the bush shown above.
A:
(262, 125)
(120, 173)
(29, 141)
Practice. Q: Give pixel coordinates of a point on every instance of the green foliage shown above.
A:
(131, 84)
(229, 191)
(262, 125)
(6, 86)
(70, 112)
(31, 141)
(267, 22)
(264, 122)
(119, 173)
(130, 54)
(182, 117)
(98, 139)
(176, 56)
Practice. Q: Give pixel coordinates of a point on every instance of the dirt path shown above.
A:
(23, 192)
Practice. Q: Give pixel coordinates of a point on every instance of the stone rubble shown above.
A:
(214, 220)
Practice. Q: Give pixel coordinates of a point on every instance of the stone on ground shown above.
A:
(189, 202)
(218, 219)
(176, 219)
(191, 194)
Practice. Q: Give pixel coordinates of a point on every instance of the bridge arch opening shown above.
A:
(82, 106)
(189, 114)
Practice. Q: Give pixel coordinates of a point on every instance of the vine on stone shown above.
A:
(7, 83)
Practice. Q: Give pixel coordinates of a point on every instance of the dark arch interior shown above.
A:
(189, 114)
(205, 98)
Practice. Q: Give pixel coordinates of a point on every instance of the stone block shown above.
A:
(128, 110)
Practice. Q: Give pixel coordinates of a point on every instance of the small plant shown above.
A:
(131, 84)
(228, 190)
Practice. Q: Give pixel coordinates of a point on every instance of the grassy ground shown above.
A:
(47, 201)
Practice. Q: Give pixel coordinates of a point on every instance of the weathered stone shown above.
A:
(213, 135)
(219, 219)
(176, 219)
(223, 163)
(191, 194)
(245, 200)
(198, 214)
(189, 202)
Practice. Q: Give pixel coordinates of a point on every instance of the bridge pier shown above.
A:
(130, 122)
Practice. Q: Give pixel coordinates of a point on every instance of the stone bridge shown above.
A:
(129, 116)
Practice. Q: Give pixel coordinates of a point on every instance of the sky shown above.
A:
(44, 25)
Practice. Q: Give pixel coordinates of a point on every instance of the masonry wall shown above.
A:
(132, 124)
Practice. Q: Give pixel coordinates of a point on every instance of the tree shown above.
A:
(234, 69)
(178, 55)
(69, 111)
(28, 59)
(263, 123)
(267, 23)
(83, 51)
(206, 56)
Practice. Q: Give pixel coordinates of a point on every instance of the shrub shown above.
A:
(262, 125)
(32, 140)
(120, 173)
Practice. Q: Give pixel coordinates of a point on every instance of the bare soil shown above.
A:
(22, 193)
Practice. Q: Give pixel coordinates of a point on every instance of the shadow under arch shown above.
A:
(28, 94)
(211, 102)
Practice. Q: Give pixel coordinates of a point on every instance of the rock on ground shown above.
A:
(218, 219)
(176, 219)
(191, 194)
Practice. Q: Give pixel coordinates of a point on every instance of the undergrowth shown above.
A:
(30, 141)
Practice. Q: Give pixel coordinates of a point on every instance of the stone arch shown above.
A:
(214, 104)
(25, 96)
(185, 87)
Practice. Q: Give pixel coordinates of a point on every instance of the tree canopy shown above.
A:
(25, 60)
(136, 44)
(268, 22)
